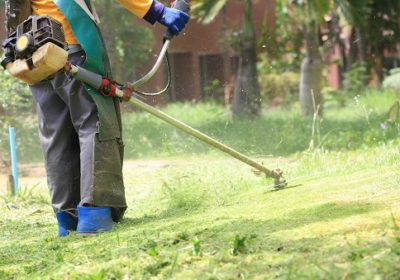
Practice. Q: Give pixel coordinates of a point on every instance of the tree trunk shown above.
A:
(311, 73)
(310, 85)
(362, 57)
(246, 97)
(357, 53)
(337, 30)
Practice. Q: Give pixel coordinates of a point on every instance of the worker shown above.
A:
(80, 130)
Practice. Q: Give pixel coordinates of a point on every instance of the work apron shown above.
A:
(107, 187)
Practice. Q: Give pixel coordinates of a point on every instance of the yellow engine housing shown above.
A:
(46, 61)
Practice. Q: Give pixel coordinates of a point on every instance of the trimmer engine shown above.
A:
(35, 50)
(30, 35)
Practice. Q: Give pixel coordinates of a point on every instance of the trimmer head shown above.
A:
(279, 181)
(277, 175)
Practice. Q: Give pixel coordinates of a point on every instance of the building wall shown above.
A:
(201, 55)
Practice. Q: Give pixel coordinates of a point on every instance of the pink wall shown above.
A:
(199, 39)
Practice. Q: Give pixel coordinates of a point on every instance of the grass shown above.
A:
(278, 132)
(210, 217)
(213, 219)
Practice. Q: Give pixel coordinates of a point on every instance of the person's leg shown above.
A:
(60, 146)
(100, 160)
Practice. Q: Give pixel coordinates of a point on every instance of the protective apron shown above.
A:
(108, 187)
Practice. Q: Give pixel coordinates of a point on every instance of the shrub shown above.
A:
(278, 89)
(392, 82)
(214, 90)
(16, 110)
(14, 95)
(333, 96)
(355, 80)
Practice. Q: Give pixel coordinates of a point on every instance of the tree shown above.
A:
(127, 44)
(246, 99)
(311, 67)
(311, 14)
(377, 28)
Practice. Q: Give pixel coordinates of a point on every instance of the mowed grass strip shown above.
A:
(213, 219)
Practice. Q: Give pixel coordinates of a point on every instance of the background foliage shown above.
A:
(128, 48)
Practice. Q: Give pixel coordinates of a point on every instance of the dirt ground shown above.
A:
(35, 174)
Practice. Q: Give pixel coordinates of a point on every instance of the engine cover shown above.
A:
(35, 50)
(32, 34)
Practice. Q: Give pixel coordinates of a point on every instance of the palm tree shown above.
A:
(311, 67)
(246, 98)
(311, 13)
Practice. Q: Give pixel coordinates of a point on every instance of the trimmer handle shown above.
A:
(183, 6)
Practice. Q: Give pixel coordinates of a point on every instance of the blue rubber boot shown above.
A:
(94, 219)
(66, 223)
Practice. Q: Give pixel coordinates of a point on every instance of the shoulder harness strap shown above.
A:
(91, 13)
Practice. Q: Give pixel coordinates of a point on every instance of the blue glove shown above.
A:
(175, 20)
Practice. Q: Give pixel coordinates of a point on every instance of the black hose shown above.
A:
(166, 88)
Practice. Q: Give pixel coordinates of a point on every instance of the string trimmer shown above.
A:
(129, 92)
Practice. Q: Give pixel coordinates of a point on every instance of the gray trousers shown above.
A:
(68, 127)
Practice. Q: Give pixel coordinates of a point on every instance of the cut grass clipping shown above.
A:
(194, 214)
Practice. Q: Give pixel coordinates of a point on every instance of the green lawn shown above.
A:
(201, 215)
(339, 218)
(277, 132)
